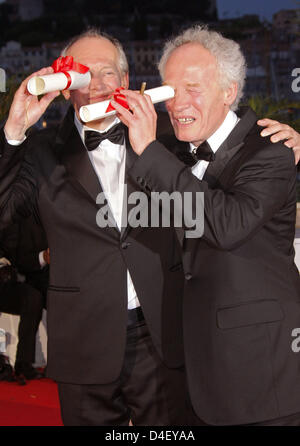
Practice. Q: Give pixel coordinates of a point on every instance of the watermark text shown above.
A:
(296, 341)
(296, 81)
(2, 80)
(160, 209)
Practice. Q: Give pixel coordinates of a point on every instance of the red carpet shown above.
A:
(35, 404)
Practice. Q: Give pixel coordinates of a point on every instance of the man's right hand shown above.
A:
(26, 109)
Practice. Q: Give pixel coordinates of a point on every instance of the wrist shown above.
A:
(140, 148)
(42, 259)
(14, 133)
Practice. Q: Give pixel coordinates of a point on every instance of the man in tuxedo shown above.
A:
(242, 296)
(115, 293)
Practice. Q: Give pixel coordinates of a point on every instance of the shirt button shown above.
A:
(188, 276)
(125, 245)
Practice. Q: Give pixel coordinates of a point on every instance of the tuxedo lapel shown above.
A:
(75, 157)
(175, 146)
(231, 146)
(225, 152)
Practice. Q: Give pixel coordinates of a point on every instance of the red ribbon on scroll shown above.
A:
(119, 98)
(65, 64)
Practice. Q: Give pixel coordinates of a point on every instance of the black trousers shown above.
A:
(146, 392)
(25, 301)
(289, 420)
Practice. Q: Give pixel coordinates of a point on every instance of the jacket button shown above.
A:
(125, 245)
(188, 276)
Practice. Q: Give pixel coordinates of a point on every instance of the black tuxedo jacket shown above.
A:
(9, 242)
(242, 295)
(87, 294)
(31, 241)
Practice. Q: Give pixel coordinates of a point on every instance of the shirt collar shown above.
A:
(219, 136)
(81, 127)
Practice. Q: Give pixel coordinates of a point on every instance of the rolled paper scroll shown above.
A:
(98, 110)
(58, 81)
(67, 75)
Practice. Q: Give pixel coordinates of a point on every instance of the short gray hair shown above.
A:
(231, 62)
(94, 32)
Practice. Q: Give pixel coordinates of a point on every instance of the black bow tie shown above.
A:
(115, 134)
(202, 152)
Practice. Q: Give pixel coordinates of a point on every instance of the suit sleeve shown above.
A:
(2, 251)
(32, 240)
(8, 242)
(18, 189)
(260, 189)
(28, 261)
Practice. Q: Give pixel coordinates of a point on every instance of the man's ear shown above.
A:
(66, 94)
(230, 94)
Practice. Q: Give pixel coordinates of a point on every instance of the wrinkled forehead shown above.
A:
(190, 63)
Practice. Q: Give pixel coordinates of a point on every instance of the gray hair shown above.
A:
(94, 32)
(231, 62)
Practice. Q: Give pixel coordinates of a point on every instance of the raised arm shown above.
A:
(26, 109)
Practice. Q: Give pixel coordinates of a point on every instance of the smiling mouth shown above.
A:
(185, 121)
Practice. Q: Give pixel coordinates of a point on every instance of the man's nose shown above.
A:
(180, 100)
(97, 80)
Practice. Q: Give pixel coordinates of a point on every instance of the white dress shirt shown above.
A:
(14, 142)
(215, 141)
(109, 162)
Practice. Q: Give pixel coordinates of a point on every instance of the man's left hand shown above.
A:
(280, 132)
(141, 119)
